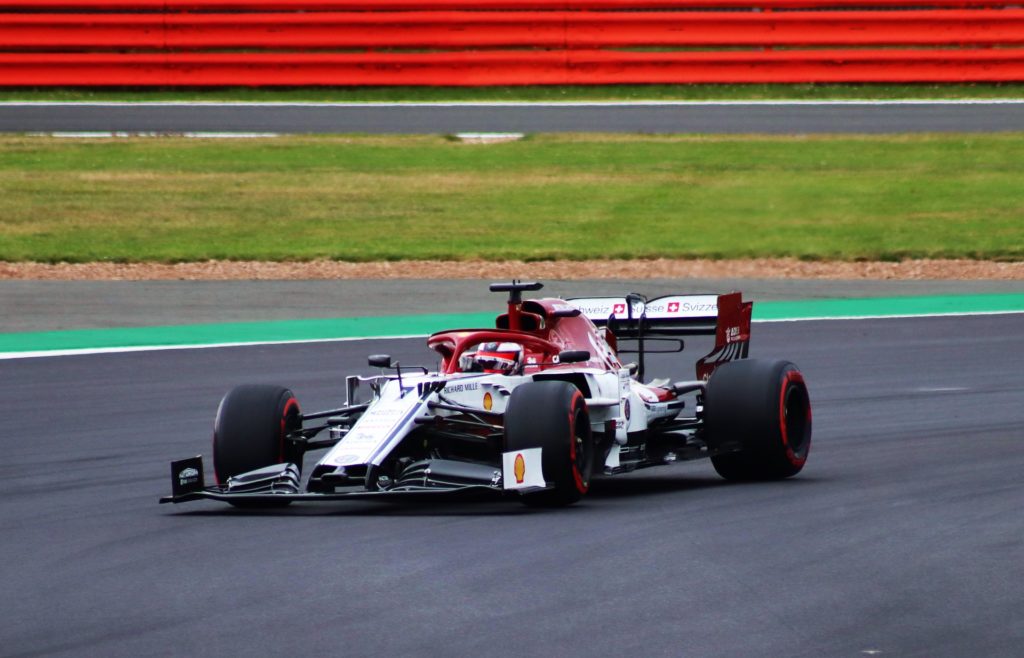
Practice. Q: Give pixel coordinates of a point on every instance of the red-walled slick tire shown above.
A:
(249, 432)
(757, 420)
(552, 415)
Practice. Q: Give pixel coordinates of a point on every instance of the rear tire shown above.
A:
(249, 432)
(763, 409)
(552, 415)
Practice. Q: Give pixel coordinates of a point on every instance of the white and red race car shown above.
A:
(532, 408)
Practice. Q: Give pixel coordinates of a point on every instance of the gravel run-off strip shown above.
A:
(476, 269)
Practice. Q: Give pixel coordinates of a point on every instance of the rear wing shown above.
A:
(727, 317)
(675, 315)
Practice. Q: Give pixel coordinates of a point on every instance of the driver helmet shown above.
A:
(495, 358)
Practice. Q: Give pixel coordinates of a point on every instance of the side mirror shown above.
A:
(380, 360)
(573, 356)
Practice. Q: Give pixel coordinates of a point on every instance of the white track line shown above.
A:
(163, 348)
(89, 134)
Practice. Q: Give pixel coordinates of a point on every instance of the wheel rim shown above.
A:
(796, 410)
(582, 452)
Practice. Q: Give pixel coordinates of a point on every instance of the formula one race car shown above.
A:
(532, 408)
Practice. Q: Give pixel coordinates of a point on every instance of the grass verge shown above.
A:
(534, 93)
(550, 196)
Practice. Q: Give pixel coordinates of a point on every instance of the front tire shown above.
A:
(552, 415)
(757, 417)
(249, 432)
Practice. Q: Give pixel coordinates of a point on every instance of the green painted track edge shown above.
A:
(196, 335)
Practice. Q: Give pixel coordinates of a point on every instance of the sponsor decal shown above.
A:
(591, 310)
(697, 306)
(459, 388)
(675, 306)
(731, 334)
(382, 410)
(372, 431)
(488, 401)
(188, 476)
(627, 408)
(600, 309)
(520, 468)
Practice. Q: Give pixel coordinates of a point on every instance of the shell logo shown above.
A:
(488, 401)
(519, 468)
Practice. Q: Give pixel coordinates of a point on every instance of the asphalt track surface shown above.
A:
(902, 536)
(654, 117)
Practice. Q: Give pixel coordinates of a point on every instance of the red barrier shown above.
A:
(514, 29)
(510, 68)
(505, 42)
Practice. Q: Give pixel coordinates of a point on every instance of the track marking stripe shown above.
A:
(139, 339)
(91, 134)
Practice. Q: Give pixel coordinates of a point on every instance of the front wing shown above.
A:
(279, 483)
(269, 499)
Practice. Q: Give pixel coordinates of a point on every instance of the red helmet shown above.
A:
(500, 358)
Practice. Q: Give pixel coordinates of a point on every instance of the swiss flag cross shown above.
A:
(673, 307)
(619, 309)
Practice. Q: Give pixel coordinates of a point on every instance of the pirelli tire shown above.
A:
(757, 420)
(552, 415)
(250, 429)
